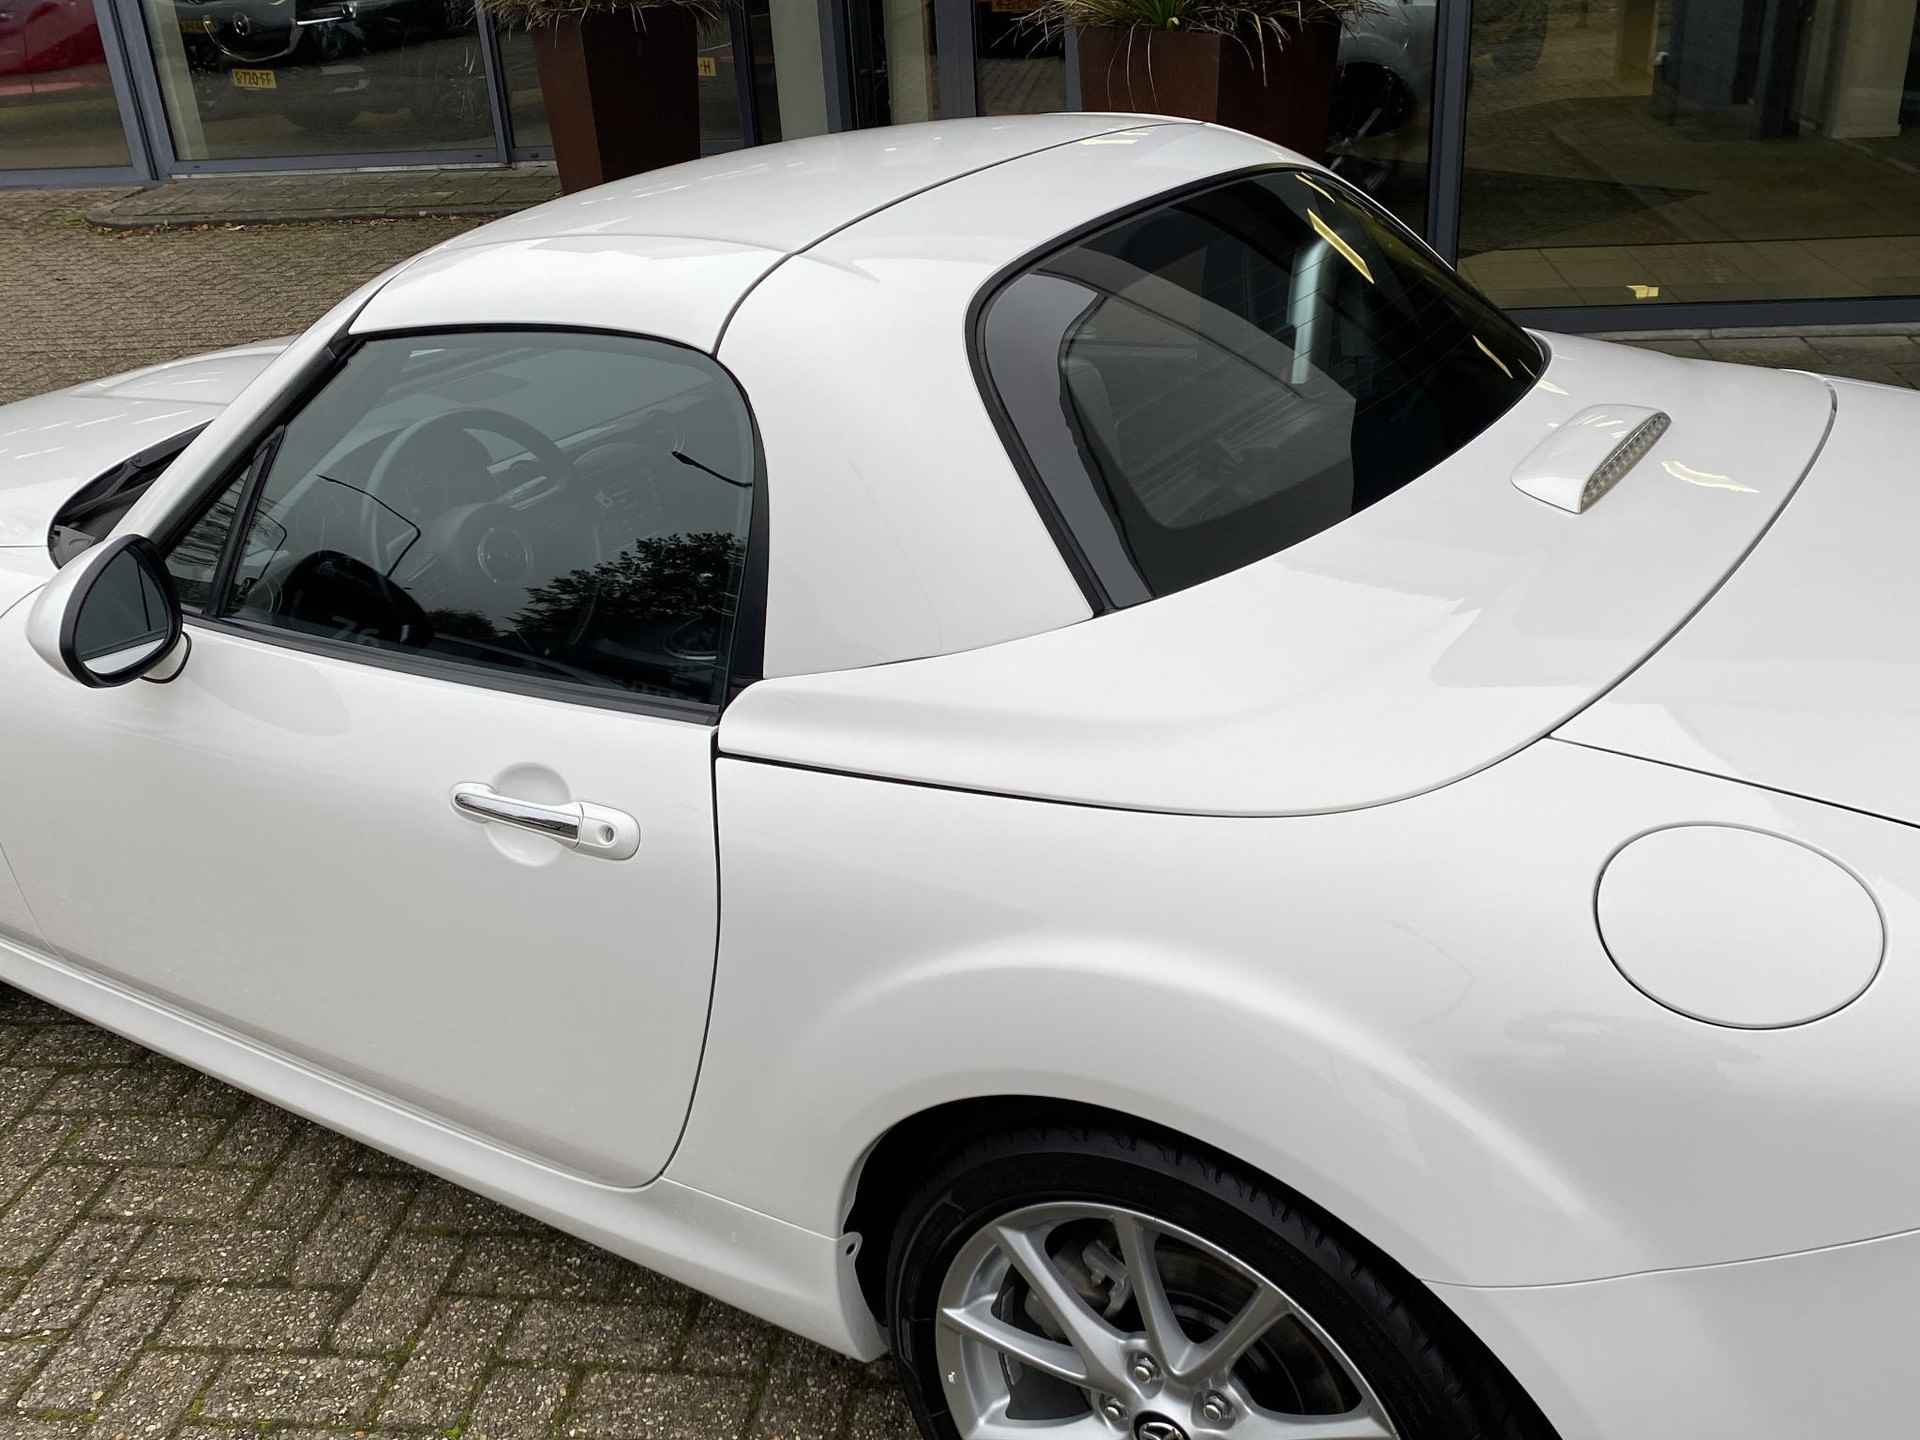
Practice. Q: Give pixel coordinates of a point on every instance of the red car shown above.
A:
(37, 36)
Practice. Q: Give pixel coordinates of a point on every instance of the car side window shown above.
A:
(572, 508)
(1219, 376)
(195, 556)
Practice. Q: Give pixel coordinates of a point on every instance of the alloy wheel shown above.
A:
(1088, 1320)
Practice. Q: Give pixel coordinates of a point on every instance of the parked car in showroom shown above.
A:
(38, 37)
(324, 63)
(1040, 743)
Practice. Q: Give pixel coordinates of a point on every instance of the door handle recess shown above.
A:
(580, 825)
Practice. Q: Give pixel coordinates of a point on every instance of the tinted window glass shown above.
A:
(1213, 380)
(572, 508)
(196, 554)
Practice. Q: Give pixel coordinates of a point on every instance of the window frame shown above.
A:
(746, 660)
(1072, 552)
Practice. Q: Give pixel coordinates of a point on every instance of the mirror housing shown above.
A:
(111, 616)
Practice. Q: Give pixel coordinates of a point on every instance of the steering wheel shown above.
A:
(484, 539)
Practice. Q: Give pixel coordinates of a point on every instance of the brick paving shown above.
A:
(177, 1259)
(77, 303)
(180, 1259)
(1889, 354)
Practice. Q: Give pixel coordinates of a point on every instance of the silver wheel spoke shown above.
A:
(1358, 1424)
(994, 1425)
(1026, 1350)
(978, 1321)
(1101, 1347)
(1218, 1355)
(1164, 1336)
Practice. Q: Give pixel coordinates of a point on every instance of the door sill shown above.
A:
(286, 1080)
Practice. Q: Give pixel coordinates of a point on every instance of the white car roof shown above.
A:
(672, 252)
(900, 527)
(785, 197)
(834, 277)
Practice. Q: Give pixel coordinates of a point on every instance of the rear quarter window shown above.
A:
(1225, 373)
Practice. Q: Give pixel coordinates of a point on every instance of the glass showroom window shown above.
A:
(1640, 152)
(263, 78)
(57, 109)
(733, 114)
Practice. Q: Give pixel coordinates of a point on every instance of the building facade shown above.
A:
(1590, 163)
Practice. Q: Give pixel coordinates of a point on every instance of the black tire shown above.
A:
(1432, 1376)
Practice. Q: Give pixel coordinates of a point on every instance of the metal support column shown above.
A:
(1447, 152)
(954, 38)
(496, 74)
(128, 101)
(746, 96)
(143, 83)
(836, 53)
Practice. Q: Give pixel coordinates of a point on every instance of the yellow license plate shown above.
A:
(195, 25)
(707, 67)
(256, 80)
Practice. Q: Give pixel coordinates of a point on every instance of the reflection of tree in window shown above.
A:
(655, 618)
(462, 625)
(666, 596)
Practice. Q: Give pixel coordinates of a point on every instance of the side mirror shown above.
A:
(111, 616)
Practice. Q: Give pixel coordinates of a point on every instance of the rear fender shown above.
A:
(1404, 1013)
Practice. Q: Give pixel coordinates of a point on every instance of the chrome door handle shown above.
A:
(580, 825)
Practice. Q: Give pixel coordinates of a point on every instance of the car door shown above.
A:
(430, 805)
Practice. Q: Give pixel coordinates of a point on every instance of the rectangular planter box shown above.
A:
(621, 91)
(1219, 78)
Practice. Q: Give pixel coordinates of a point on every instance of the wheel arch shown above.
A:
(899, 1160)
(889, 1169)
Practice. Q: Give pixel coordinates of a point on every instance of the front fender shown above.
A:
(1405, 1012)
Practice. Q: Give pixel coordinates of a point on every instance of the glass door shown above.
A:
(1381, 128)
(520, 77)
(1017, 70)
(1643, 152)
(739, 94)
(257, 79)
(894, 60)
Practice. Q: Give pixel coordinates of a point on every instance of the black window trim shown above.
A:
(747, 658)
(1071, 551)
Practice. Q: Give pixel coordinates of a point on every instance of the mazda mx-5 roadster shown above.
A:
(1041, 744)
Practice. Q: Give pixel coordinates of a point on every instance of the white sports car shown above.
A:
(1042, 743)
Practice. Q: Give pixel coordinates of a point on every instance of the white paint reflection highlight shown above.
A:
(1705, 479)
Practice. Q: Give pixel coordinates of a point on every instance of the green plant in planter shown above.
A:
(1264, 66)
(1251, 21)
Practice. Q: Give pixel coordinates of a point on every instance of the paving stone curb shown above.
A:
(104, 219)
(313, 197)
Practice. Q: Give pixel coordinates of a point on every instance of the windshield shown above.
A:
(1211, 380)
